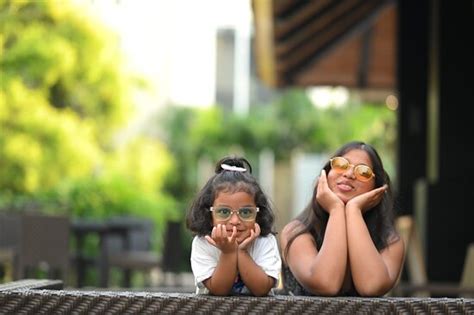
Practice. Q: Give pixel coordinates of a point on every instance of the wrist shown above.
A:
(229, 252)
(242, 250)
(352, 209)
(336, 210)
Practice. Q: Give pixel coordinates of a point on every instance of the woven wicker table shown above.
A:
(45, 298)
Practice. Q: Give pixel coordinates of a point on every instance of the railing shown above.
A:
(31, 297)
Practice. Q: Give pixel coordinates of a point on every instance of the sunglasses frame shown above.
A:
(356, 174)
(237, 212)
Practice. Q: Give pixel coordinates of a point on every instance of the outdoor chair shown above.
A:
(35, 242)
(131, 249)
(418, 284)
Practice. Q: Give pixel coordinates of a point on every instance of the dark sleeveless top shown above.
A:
(292, 287)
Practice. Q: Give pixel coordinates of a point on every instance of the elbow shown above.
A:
(325, 287)
(261, 293)
(263, 290)
(371, 289)
(331, 290)
(219, 292)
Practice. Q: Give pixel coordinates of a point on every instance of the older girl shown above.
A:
(345, 242)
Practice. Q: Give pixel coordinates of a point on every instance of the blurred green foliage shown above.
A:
(290, 124)
(64, 95)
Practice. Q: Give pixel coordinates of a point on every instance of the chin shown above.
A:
(344, 198)
(241, 239)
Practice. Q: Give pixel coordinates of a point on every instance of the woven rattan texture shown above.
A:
(105, 302)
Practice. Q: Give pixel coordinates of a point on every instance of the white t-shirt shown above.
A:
(204, 259)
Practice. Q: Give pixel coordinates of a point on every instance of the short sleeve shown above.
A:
(265, 253)
(204, 258)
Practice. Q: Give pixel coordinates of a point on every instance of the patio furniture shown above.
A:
(32, 241)
(124, 242)
(16, 299)
(132, 250)
(418, 283)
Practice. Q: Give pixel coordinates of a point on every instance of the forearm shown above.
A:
(328, 269)
(221, 281)
(255, 279)
(369, 271)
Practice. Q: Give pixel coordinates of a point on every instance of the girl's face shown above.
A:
(344, 184)
(235, 201)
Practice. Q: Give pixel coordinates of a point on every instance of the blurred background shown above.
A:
(113, 113)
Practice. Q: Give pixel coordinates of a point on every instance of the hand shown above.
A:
(254, 233)
(325, 196)
(220, 239)
(367, 200)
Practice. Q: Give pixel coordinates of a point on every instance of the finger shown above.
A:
(219, 231)
(322, 178)
(248, 240)
(252, 235)
(257, 229)
(234, 234)
(321, 181)
(214, 232)
(382, 189)
(224, 231)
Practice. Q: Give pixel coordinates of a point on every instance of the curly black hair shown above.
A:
(199, 218)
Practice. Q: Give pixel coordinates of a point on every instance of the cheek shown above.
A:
(366, 187)
(248, 226)
(331, 179)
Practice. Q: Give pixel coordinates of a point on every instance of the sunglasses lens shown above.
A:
(363, 173)
(339, 164)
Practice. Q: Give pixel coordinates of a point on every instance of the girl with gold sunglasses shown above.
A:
(344, 242)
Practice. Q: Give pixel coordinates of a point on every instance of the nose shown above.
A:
(234, 218)
(349, 172)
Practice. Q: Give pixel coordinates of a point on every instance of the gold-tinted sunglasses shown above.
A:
(361, 171)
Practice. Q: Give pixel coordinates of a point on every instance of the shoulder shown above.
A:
(201, 246)
(290, 229)
(395, 242)
(200, 242)
(198, 239)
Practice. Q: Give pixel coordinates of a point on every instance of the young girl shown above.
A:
(345, 242)
(234, 250)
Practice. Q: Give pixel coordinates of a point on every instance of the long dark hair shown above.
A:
(379, 219)
(199, 218)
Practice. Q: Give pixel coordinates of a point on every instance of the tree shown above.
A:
(63, 93)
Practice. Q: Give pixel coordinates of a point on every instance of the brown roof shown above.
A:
(326, 42)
